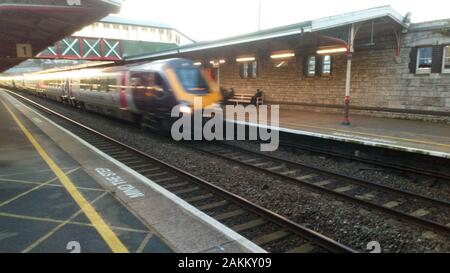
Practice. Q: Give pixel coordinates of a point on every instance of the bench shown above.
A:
(246, 99)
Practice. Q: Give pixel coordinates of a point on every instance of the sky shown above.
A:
(204, 20)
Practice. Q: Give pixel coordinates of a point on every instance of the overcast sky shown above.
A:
(213, 19)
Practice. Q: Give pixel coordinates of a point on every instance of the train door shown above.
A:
(75, 87)
(66, 90)
(139, 82)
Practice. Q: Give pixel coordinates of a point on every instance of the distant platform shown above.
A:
(431, 138)
(53, 198)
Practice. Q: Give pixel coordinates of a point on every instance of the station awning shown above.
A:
(28, 27)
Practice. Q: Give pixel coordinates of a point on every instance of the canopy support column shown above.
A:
(348, 76)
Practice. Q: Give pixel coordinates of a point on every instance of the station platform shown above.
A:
(422, 137)
(53, 198)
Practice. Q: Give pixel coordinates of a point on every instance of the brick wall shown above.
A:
(379, 79)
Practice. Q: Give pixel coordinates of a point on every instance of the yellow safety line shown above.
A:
(99, 224)
(366, 134)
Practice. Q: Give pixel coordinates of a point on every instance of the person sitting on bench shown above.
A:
(259, 94)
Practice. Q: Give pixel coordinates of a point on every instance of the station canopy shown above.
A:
(29, 26)
(327, 32)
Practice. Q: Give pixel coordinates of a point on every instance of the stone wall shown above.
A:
(379, 79)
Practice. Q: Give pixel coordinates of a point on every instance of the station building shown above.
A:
(374, 59)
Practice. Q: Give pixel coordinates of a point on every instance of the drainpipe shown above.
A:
(348, 76)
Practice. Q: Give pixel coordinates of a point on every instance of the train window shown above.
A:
(192, 80)
(95, 84)
(84, 85)
(424, 59)
(103, 85)
(112, 85)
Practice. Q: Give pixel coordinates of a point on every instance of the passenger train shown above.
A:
(143, 93)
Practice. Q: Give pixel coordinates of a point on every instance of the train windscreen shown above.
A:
(192, 80)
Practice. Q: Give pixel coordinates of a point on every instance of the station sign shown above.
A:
(24, 51)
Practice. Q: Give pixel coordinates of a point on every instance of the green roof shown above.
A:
(133, 48)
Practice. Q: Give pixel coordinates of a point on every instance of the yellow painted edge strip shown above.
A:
(367, 134)
(99, 224)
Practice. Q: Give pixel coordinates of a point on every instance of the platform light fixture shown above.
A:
(217, 62)
(332, 50)
(245, 59)
(198, 63)
(284, 55)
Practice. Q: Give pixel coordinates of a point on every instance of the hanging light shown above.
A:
(245, 59)
(285, 55)
(332, 50)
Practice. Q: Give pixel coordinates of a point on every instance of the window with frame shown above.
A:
(85, 84)
(424, 59)
(326, 65)
(446, 60)
(248, 70)
(311, 65)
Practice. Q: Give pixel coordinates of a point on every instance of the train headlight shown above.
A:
(185, 109)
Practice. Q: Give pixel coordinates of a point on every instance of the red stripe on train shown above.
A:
(122, 92)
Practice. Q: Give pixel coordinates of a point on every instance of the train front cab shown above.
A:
(156, 92)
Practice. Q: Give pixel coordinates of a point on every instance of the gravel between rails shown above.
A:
(343, 221)
(417, 184)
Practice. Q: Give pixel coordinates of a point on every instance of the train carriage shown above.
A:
(144, 93)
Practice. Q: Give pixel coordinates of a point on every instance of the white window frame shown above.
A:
(309, 63)
(246, 68)
(445, 70)
(326, 73)
(423, 70)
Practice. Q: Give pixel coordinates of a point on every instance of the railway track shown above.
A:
(418, 209)
(265, 228)
(395, 167)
